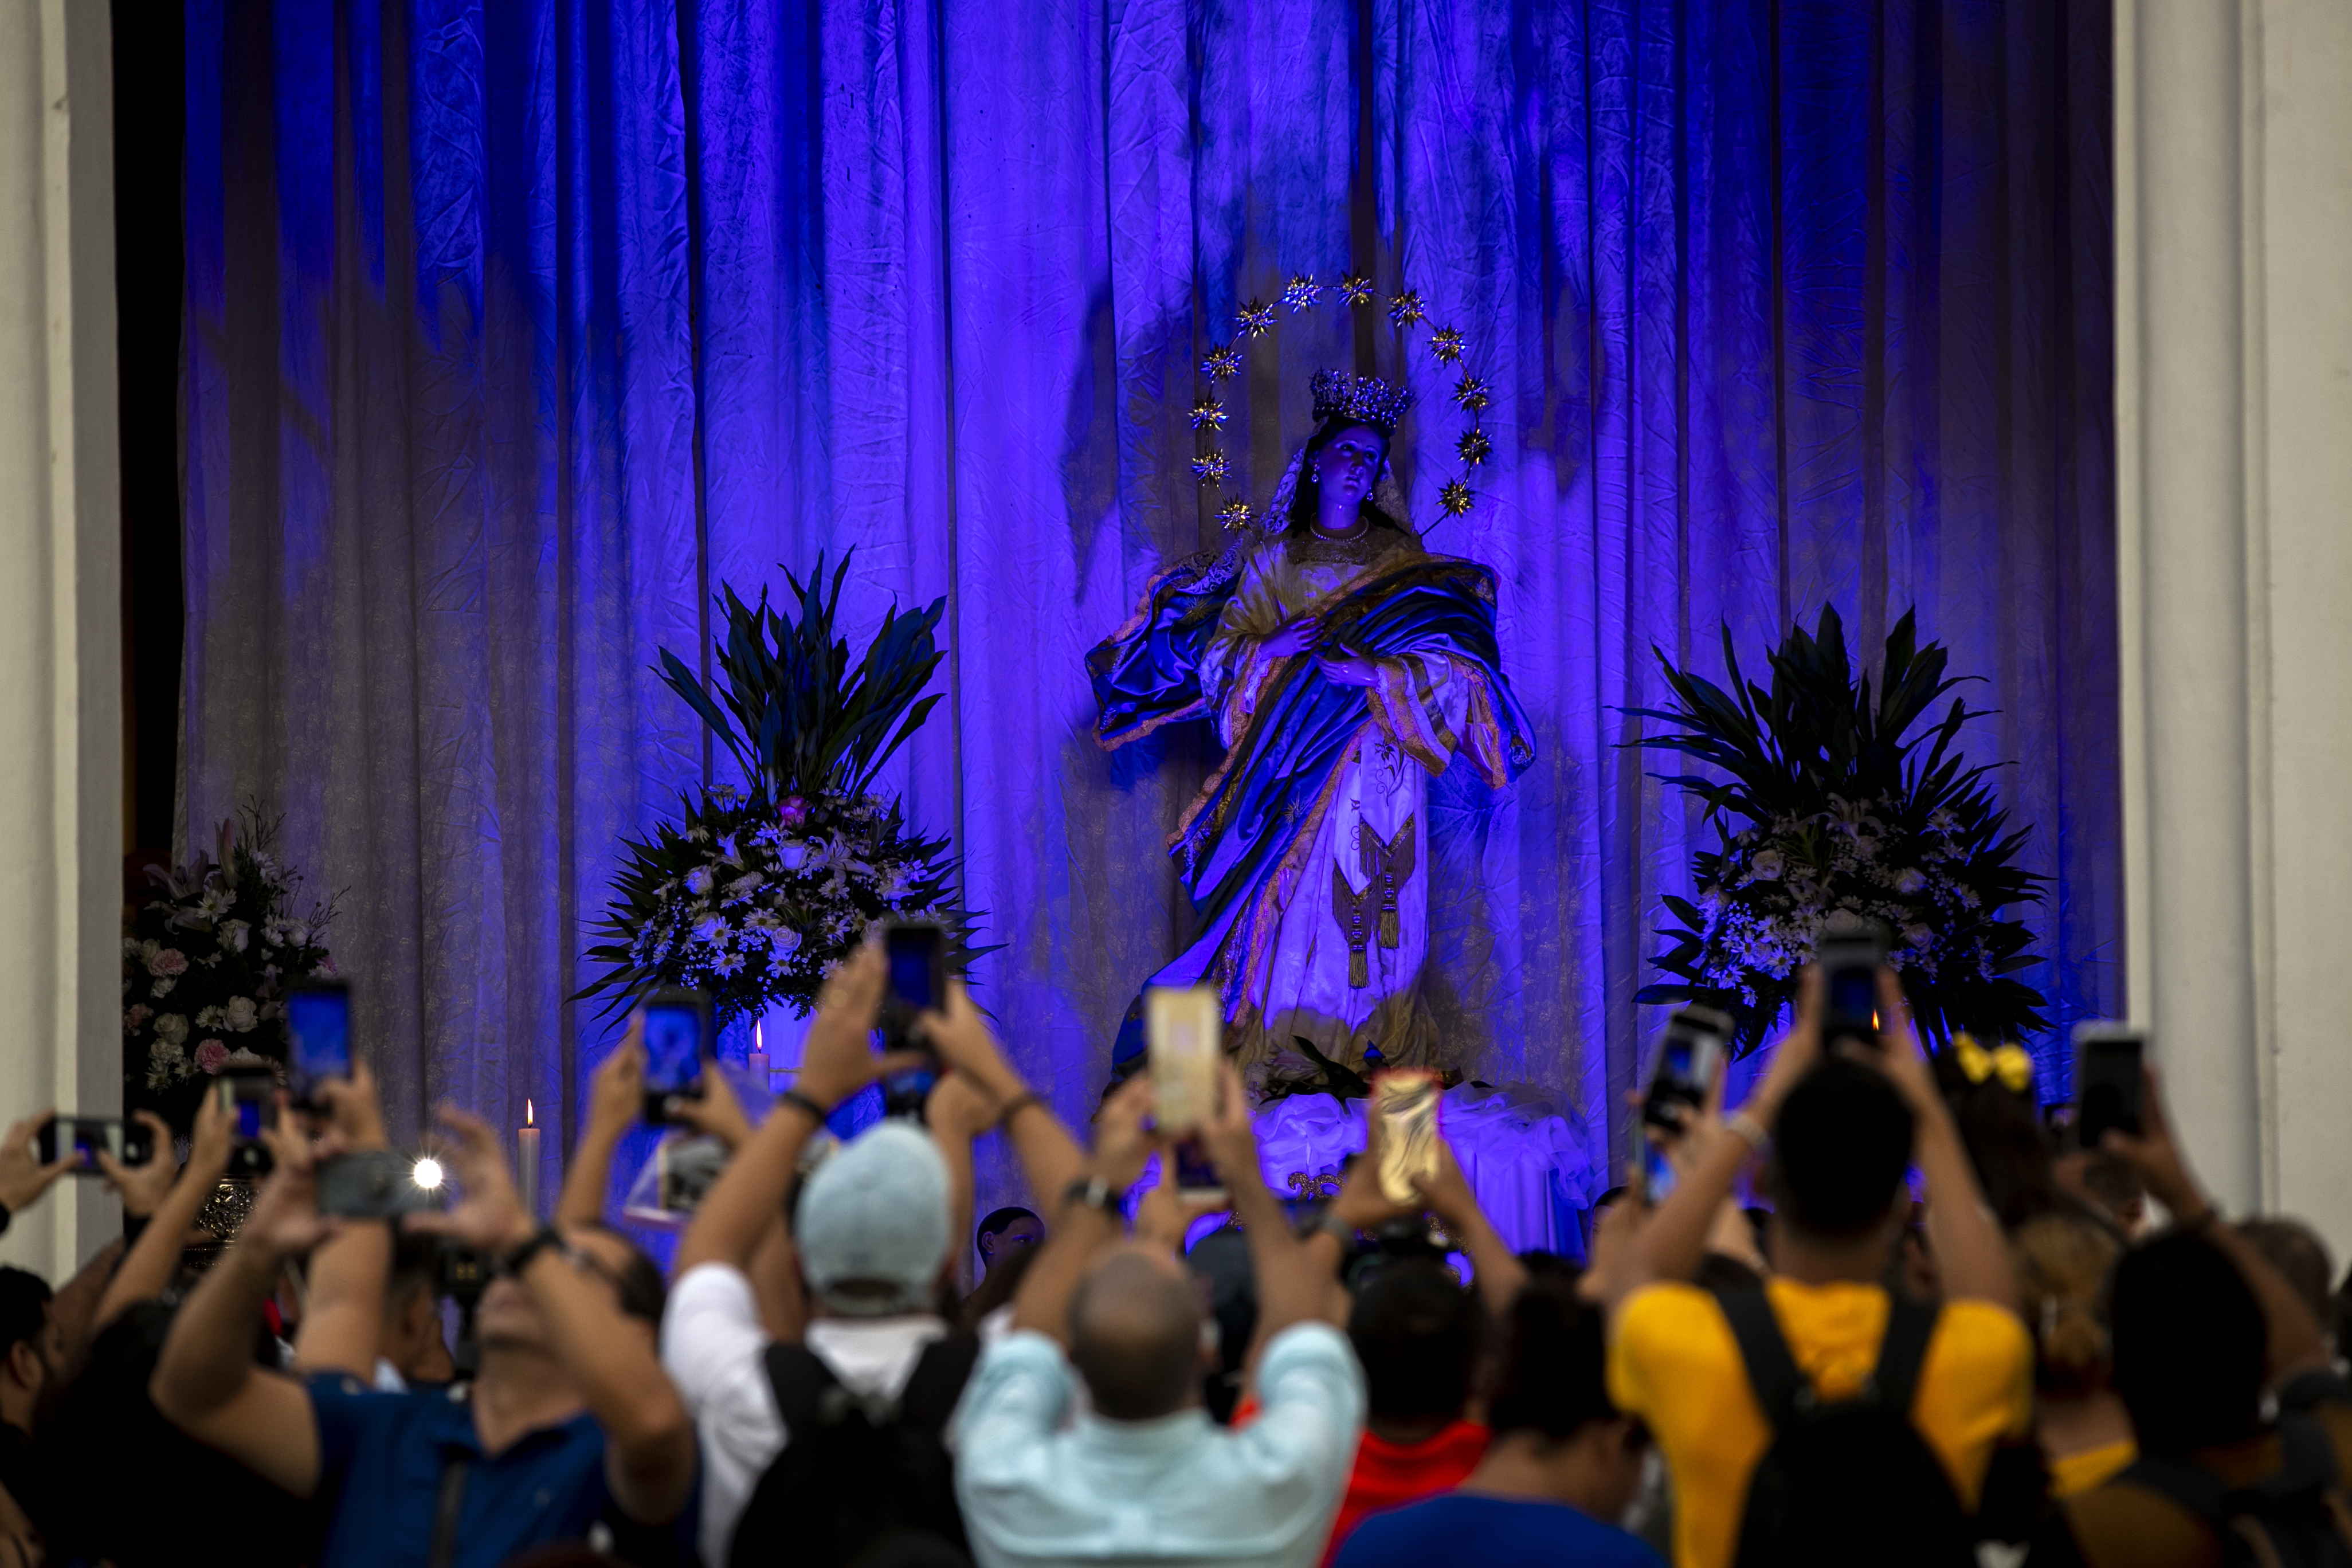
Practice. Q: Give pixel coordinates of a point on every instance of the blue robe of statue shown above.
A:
(1306, 853)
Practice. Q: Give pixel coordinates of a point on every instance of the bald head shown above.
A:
(1135, 1335)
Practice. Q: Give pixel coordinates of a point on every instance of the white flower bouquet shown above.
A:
(1828, 817)
(207, 961)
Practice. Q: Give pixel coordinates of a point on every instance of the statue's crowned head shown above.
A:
(1356, 420)
(1364, 400)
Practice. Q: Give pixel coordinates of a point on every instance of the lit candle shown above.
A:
(527, 1154)
(759, 1062)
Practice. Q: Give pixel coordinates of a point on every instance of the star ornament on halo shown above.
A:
(1234, 513)
(1474, 448)
(1210, 468)
(1446, 344)
(1356, 290)
(1472, 393)
(1257, 318)
(1405, 310)
(1454, 498)
(1223, 361)
(1209, 412)
(1302, 292)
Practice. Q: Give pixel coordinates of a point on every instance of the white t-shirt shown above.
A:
(715, 1348)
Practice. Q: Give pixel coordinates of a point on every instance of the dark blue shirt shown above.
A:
(1470, 1530)
(381, 1460)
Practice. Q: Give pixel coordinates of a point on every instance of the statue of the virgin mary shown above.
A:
(1344, 668)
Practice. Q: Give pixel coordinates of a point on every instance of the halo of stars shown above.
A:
(1408, 314)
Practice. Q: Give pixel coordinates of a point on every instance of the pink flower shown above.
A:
(168, 960)
(136, 1016)
(792, 813)
(210, 1055)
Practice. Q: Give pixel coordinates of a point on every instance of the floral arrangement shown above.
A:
(207, 963)
(751, 894)
(1830, 814)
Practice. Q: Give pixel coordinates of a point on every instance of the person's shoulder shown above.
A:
(1669, 1314)
(343, 1401)
(1314, 1347)
(1982, 1334)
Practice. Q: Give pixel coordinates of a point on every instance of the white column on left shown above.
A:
(61, 615)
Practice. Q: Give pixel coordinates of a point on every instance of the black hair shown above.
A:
(1418, 1333)
(999, 1221)
(1610, 1199)
(642, 1291)
(1302, 495)
(1551, 1381)
(24, 1308)
(1841, 1149)
(2190, 1345)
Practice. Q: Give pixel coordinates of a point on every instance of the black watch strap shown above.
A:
(520, 1258)
(1094, 1193)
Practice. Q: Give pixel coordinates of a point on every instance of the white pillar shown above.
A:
(61, 616)
(2233, 410)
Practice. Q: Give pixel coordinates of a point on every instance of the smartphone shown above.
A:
(915, 958)
(1850, 965)
(318, 1026)
(914, 963)
(86, 1136)
(250, 1095)
(1183, 1033)
(2108, 1081)
(678, 1039)
(371, 1184)
(1405, 1100)
(1689, 1057)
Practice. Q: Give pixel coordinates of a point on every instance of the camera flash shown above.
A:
(426, 1173)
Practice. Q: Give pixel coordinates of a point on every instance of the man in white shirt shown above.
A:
(1145, 1475)
(872, 1234)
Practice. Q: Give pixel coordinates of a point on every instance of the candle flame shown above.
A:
(528, 1115)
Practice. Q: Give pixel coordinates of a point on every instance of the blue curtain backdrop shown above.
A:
(516, 327)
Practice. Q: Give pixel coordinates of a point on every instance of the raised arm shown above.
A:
(2296, 1343)
(1050, 1158)
(343, 1320)
(958, 1112)
(154, 1257)
(1498, 1268)
(837, 1062)
(615, 1096)
(1673, 1242)
(1971, 1254)
(1081, 1230)
(206, 1382)
(1294, 1276)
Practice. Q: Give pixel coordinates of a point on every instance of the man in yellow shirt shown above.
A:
(1845, 1132)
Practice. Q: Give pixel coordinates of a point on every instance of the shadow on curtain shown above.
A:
(515, 328)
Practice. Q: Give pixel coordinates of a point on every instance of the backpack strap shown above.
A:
(936, 1384)
(1780, 1386)
(800, 1380)
(1894, 1382)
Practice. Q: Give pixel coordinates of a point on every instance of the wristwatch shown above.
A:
(1094, 1192)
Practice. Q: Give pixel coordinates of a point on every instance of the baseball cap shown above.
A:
(875, 1215)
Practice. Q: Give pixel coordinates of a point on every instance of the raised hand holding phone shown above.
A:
(318, 1038)
(142, 1184)
(677, 1041)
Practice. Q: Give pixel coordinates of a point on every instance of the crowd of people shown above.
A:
(1884, 1315)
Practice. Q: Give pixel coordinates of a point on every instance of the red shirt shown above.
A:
(1390, 1475)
